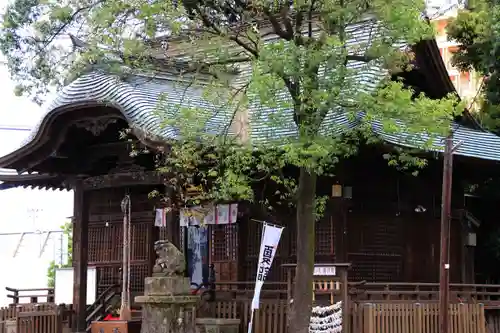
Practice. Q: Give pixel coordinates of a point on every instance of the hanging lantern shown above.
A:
(336, 191)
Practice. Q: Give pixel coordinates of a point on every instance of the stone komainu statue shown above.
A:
(170, 261)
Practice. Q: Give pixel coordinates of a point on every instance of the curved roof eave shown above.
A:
(137, 99)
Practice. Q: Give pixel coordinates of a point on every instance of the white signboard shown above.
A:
(64, 285)
(324, 270)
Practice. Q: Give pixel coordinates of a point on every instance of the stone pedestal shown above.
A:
(217, 325)
(167, 305)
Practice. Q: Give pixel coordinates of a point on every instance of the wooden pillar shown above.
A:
(463, 251)
(80, 256)
(346, 306)
(471, 265)
(242, 246)
(172, 222)
(339, 218)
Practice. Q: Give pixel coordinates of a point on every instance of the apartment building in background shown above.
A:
(440, 11)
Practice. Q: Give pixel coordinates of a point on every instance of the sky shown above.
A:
(26, 210)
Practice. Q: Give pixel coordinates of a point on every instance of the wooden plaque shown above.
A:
(325, 270)
(116, 326)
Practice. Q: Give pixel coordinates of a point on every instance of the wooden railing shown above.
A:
(372, 291)
(487, 294)
(323, 290)
(35, 318)
(102, 305)
(33, 296)
(271, 317)
(359, 291)
(45, 319)
(233, 301)
(417, 318)
(230, 290)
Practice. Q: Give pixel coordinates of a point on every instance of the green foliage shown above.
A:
(51, 274)
(303, 75)
(478, 32)
(67, 229)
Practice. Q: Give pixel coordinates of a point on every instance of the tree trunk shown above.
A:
(303, 292)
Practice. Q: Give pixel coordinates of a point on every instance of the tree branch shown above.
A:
(209, 24)
(287, 21)
(310, 17)
(362, 58)
(206, 65)
(278, 30)
(65, 25)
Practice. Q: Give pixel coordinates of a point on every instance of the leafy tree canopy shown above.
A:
(296, 66)
(477, 30)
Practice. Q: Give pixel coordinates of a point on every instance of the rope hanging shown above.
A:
(125, 303)
(326, 319)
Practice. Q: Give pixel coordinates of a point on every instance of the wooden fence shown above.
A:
(365, 318)
(416, 318)
(35, 318)
(488, 294)
(269, 318)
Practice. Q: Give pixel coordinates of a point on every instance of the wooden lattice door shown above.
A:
(106, 236)
(224, 251)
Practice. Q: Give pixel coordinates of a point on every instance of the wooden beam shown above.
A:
(111, 148)
(242, 246)
(339, 219)
(85, 160)
(80, 256)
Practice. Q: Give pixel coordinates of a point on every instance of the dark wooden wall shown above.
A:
(378, 230)
(380, 248)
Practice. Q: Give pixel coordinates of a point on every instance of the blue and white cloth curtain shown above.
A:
(196, 246)
(197, 255)
(196, 220)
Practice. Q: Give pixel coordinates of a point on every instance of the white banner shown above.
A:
(269, 244)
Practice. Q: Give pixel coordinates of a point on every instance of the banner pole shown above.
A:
(250, 324)
(264, 222)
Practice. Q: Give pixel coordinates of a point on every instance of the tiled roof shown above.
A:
(138, 99)
(11, 179)
(4, 172)
(473, 143)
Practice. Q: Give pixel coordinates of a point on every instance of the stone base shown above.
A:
(11, 326)
(168, 318)
(167, 285)
(167, 305)
(217, 325)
